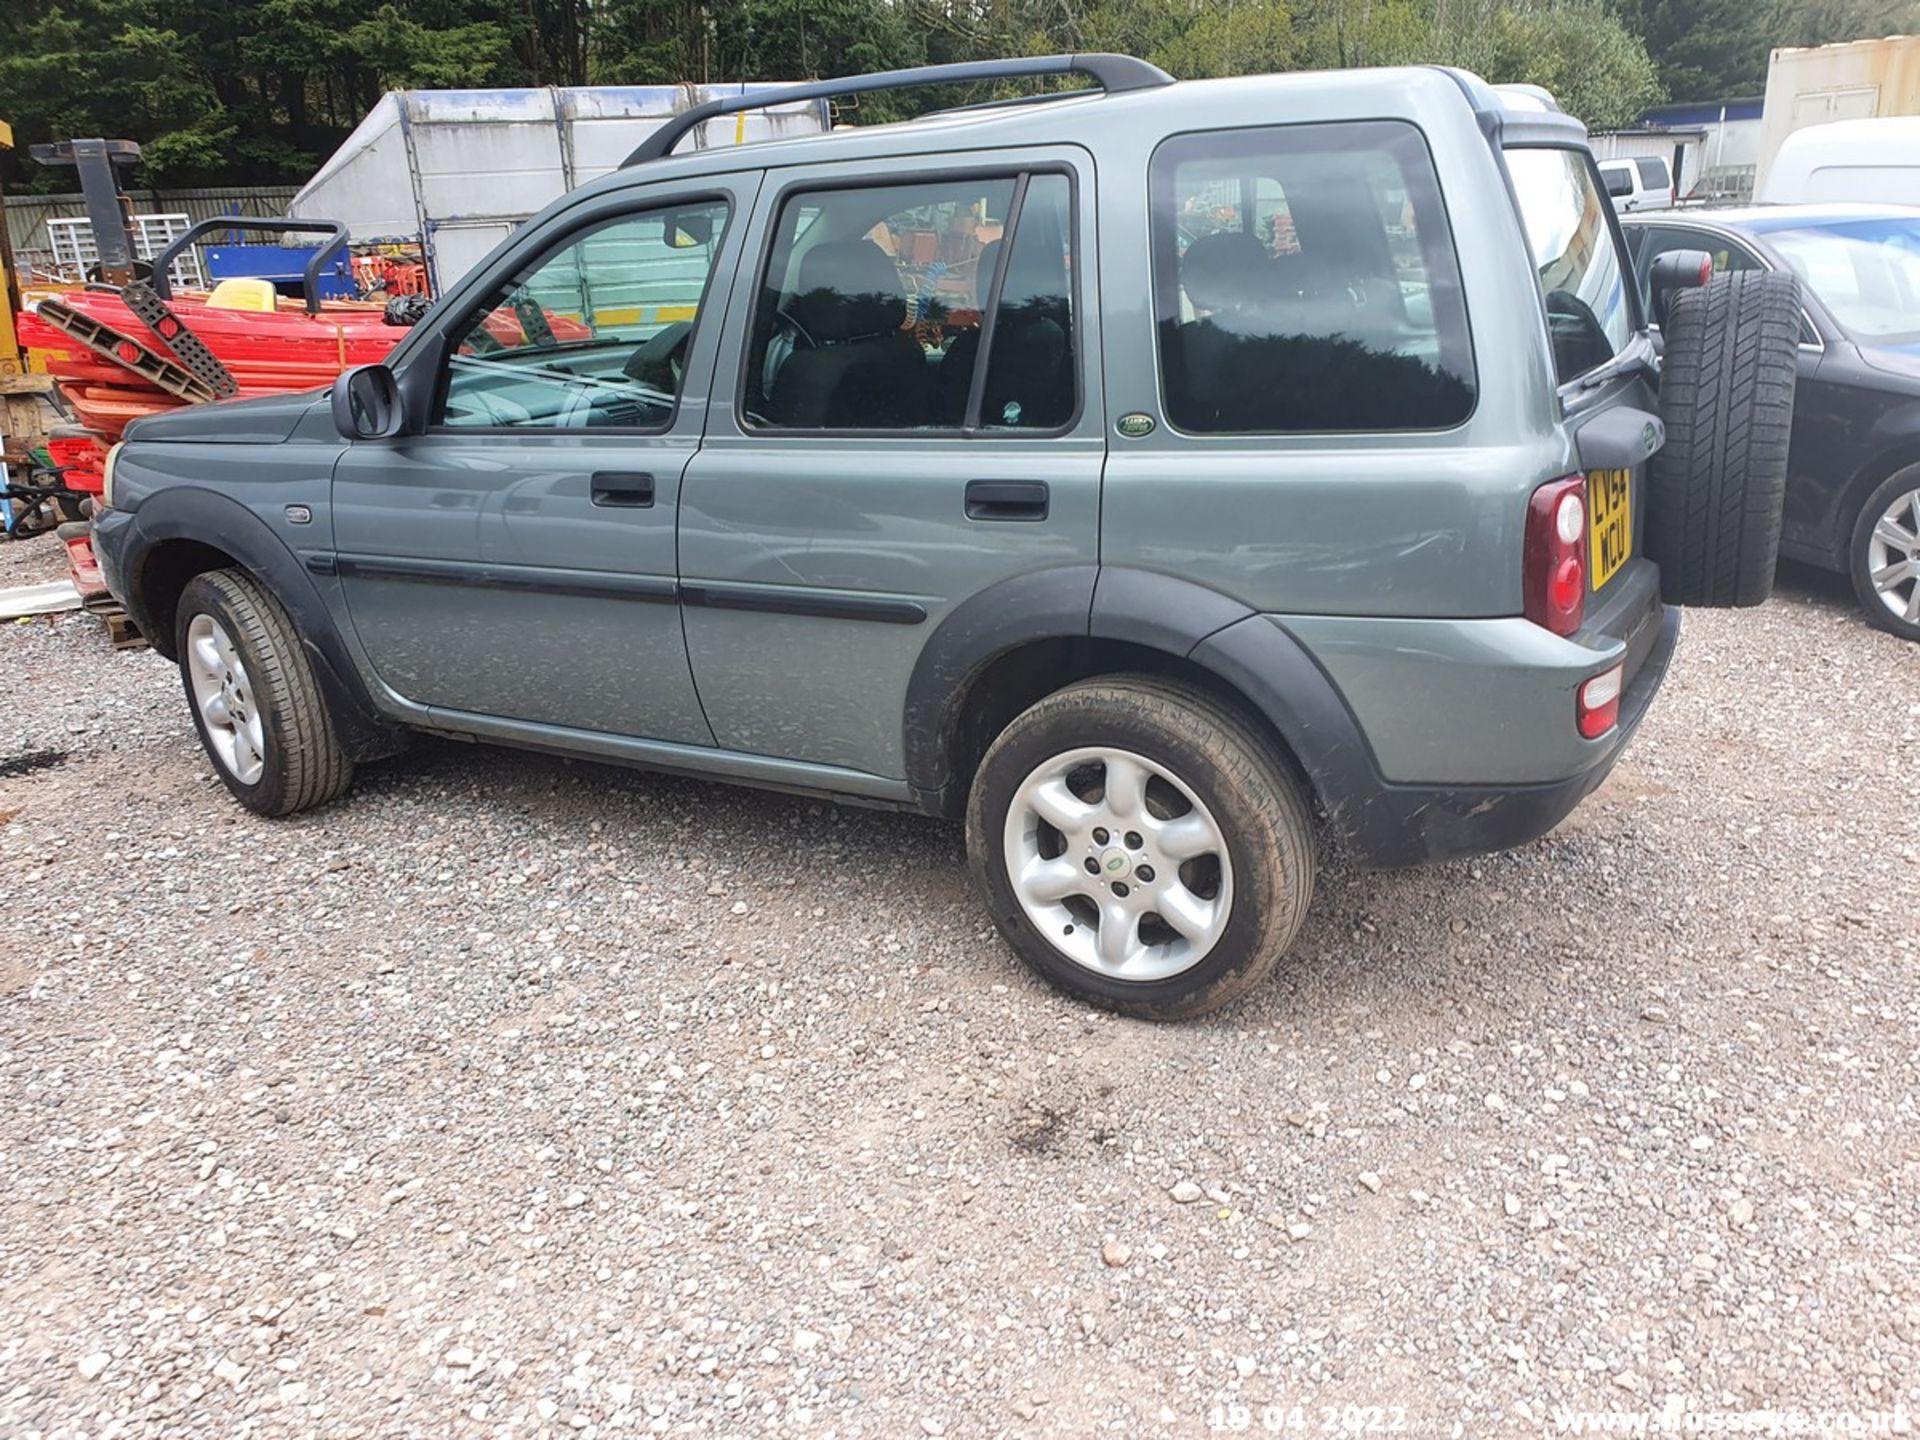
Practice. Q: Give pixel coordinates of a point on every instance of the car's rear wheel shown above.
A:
(1141, 846)
(255, 702)
(1716, 489)
(1883, 557)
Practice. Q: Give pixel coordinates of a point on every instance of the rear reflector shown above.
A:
(1596, 708)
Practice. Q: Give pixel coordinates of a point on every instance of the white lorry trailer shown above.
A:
(457, 171)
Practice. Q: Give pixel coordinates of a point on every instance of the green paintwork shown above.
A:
(1394, 560)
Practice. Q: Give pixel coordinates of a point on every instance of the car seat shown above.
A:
(1030, 379)
(853, 367)
(1227, 275)
(1229, 281)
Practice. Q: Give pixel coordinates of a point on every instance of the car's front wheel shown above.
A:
(1883, 557)
(255, 701)
(1141, 846)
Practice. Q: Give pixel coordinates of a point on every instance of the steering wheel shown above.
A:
(795, 336)
(785, 317)
(1573, 327)
(492, 409)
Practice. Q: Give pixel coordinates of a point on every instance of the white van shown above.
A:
(1641, 183)
(1875, 160)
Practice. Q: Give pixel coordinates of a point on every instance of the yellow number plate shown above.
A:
(1611, 539)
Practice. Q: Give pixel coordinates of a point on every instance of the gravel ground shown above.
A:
(32, 562)
(513, 1096)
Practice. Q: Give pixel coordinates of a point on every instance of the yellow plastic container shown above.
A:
(243, 294)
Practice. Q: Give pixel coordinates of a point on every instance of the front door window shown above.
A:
(594, 335)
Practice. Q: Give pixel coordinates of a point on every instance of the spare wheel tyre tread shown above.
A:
(1717, 488)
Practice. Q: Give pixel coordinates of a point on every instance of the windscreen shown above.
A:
(1867, 273)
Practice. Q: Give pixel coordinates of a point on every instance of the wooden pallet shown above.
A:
(122, 633)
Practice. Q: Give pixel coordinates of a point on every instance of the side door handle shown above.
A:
(1007, 499)
(622, 490)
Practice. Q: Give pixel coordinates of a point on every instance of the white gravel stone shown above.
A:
(306, 1104)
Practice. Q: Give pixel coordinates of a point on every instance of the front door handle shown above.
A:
(1007, 499)
(622, 490)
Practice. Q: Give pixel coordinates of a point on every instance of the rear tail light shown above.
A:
(1596, 708)
(1554, 574)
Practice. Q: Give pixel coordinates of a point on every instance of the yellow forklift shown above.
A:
(27, 416)
(12, 361)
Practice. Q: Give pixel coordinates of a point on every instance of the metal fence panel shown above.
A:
(27, 215)
(75, 251)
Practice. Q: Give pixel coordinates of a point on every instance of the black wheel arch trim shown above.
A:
(1040, 605)
(209, 518)
(1377, 822)
(1176, 617)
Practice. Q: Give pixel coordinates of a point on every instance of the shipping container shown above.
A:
(1858, 80)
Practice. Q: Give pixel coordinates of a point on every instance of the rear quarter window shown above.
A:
(1653, 172)
(1305, 281)
(1589, 317)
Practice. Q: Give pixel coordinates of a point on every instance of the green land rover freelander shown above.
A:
(1176, 482)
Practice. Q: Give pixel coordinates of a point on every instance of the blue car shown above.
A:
(1853, 474)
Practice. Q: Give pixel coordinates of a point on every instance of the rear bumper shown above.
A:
(1396, 825)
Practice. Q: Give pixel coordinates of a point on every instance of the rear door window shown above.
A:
(1589, 317)
(877, 300)
(1305, 280)
(1649, 242)
(1653, 172)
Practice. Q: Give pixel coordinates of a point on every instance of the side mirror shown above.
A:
(1676, 270)
(367, 404)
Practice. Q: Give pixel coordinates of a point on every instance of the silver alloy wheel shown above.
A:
(1104, 849)
(223, 693)
(1893, 557)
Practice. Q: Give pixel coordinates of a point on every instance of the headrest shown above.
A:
(983, 269)
(848, 290)
(1224, 269)
(1035, 284)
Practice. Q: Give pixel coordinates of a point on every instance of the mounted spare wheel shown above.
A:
(1716, 488)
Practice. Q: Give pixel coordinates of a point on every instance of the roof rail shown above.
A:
(1012, 102)
(1114, 74)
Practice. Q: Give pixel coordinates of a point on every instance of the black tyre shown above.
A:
(1883, 555)
(255, 702)
(1715, 490)
(1141, 846)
